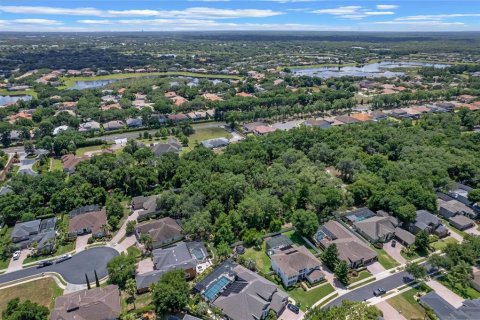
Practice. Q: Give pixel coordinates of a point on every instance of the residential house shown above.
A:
(460, 193)
(378, 115)
(162, 232)
(399, 113)
(356, 215)
(250, 127)
(113, 125)
(88, 220)
(379, 228)
(466, 98)
(277, 242)
(70, 162)
(470, 309)
(172, 145)
(240, 293)
(404, 237)
(322, 124)
(174, 257)
(461, 222)
(350, 248)
(426, 221)
(89, 126)
(178, 117)
(134, 122)
(296, 263)
(42, 232)
(263, 130)
(146, 205)
(215, 143)
(88, 304)
(476, 280)
(362, 117)
(347, 119)
(59, 129)
(197, 115)
(450, 208)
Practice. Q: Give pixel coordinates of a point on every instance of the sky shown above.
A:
(225, 15)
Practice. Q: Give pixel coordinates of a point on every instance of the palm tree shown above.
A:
(131, 289)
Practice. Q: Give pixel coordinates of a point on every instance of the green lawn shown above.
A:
(385, 259)
(81, 151)
(260, 257)
(57, 165)
(133, 250)
(362, 275)
(43, 292)
(30, 92)
(406, 304)
(205, 134)
(61, 250)
(470, 292)
(308, 298)
(298, 240)
(442, 243)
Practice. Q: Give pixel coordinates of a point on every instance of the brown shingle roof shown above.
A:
(94, 220)
(292, 260)
(93, 304)
(161, 230)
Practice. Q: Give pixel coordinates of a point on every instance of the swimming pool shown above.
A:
(215, 288)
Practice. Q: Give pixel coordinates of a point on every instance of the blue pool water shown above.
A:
(212, 291)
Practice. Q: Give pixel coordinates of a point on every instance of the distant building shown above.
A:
(42, 232)
(215, 143)
(88, 220)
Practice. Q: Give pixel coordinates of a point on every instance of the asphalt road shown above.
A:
(366, 292)
(74, 269)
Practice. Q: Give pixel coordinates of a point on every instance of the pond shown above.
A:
(372, 70)
(92, 84)
(4, 100)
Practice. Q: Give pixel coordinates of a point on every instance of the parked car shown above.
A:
(407, 279)
(63, 258)
(394, 243)
(45, 263)
(378, 292)
(16, 255)
(293, 308)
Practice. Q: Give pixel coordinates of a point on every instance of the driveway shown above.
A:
(17, 264)
(287, 314)
(394, 252)
(74, 269)
(447, 294)
(455, 235)
(389, 313)
(82, 242)
(375, 268)
(331, 278)
(473, 230)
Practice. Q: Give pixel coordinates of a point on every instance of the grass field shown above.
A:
(81, 151)
(43, 292)
(205, 134)
(70, 81)
(260, 257)
(57, 165)
(385, 260)
(406, 304)
(442, 243)
(361, 275)
(307, 299)
(4, 92)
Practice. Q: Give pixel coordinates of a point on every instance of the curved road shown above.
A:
(74, 269)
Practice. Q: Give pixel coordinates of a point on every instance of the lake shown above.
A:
(4, 100)
(92, 84)
(372, 70)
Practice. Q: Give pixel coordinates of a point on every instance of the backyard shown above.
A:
(260, 257)
(306, 299)
(406, 304)
(205, 134)
(298, 240)
(468, 293)
(30, 291)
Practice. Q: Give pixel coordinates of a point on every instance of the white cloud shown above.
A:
(89, 21)
(194, 12)
(352, 12)
(439, 16)
(51, 10)
(386, 6)
(424, 23)
(43, 22)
